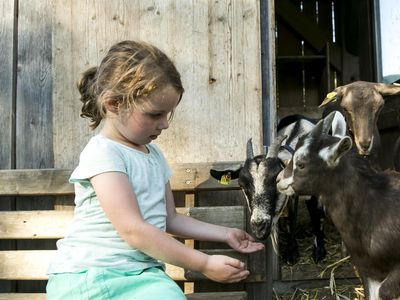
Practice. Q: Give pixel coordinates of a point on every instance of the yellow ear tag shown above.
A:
(225, 179)
(331, 95)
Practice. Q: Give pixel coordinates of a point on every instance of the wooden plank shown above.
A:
(34, 85)
(6, 82)
(22, 296)
(194, 296)
(34, 224)
(7, 126)
(70, 132)
(218, 296)
(39, 182)
(35, 182)
(48, 224)
(33, 264)
(229, 216)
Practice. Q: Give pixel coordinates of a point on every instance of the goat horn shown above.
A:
(327, 122)
(273, 149)
(317, 130)
(323, 125)
(249, 149)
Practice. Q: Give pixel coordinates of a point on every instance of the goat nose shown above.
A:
(261, 224)
(365, 144)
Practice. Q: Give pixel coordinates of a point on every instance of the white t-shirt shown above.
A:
(92, 240)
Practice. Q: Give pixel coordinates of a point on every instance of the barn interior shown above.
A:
(324, 44)
(321, 45)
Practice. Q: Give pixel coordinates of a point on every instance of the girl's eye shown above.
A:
(156, 115)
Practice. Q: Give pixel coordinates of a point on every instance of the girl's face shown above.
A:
(146, 122)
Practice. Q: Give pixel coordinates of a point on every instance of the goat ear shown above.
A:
(336, 94)
(387, 89)
(323, 126)
(334, 152)
(339, 126)
(232, 174)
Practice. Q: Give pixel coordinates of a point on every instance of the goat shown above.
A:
(257, 179)
(364, 204)
(361, 102)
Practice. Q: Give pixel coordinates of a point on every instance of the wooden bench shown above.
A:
(188, 181)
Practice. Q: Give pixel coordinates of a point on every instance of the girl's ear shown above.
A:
(110, 104)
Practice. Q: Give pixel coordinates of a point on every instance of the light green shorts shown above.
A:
(105, 284)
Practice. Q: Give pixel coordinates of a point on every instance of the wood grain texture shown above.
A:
(34, 85)
(6, 82)
(52, 224)
(33, 264)
(42, 182)
(35, 182)
(216, 47)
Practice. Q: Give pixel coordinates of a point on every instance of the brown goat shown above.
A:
(361, 102)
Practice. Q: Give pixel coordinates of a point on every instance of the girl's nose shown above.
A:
(164, 123)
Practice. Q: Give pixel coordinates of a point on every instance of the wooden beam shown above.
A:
(317, 38)
(47, 182)
(52, 224)
(33, 264)
(300, 23)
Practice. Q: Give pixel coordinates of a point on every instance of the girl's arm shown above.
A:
(188, 227)
(119, 203)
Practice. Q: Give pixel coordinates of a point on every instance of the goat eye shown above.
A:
(300, 165)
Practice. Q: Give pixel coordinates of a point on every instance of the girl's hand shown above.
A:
(241, 241)
(225, 269)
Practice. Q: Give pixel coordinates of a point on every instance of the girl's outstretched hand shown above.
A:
(241, 241)
(225, 269)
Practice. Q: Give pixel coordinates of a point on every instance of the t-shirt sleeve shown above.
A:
(97, 157)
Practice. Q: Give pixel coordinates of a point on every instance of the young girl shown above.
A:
(117, 242)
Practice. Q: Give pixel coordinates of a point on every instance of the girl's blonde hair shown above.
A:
(129, 73)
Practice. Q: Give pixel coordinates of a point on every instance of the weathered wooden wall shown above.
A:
(215, 45)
